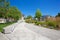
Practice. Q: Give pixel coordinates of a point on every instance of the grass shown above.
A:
(2, 25)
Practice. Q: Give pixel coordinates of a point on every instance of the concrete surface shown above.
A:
(3, 37)
(23, 33)
(11, 27)
(50, 33)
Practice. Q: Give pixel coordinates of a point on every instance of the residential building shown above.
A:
(2, 20)
(44, 18)
(10, 20)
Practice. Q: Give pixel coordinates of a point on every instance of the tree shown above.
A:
(13, 13)
(38, 14)
(4, 6)
(29, 17)
(58, 15)
(9, 12)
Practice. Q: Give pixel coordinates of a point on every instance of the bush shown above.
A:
(52, 24)
(33, 21)
(37, 23)
(30, 21)
(40, 23)
(27, 21)
(48, 24)
(2, 25)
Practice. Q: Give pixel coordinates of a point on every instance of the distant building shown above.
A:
(44, 18)
(2, 20)
(10, 20)
(51, 19)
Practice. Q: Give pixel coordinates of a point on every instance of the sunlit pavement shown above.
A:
(21, 32)
(3, 37)
(49, 33)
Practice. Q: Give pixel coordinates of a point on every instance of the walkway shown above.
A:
(3, 37)
(49, 33)
(21, 32)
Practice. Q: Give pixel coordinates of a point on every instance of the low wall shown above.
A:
(10, 28)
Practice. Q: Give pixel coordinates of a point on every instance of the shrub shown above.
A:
(27, 20)
(37, 23)
(43, 23)
(40, 23)
(52, 24)
(30, 21)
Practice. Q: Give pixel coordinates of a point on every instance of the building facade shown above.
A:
(2, 20)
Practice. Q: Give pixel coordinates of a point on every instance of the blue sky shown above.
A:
(29, 7)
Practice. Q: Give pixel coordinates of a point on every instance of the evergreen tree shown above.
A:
(38, 14)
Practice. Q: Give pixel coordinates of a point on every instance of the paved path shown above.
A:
(21, 32)
(50, 33)
(3, 37)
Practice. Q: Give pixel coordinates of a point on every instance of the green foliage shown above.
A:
(4, 25)
(13, 13)
(4, 6)
(48, 24)
(58, 15)
(27, 20)
(29, 17)
(9, 12)
(30, 21)
(51, 24)
(38, 14)
(0, 0)
(40, 23)
(37, 23)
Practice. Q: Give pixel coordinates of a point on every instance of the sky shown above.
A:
(29, 7)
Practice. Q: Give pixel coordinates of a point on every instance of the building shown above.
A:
(44, 18)
(51, 19)
(2, 20)
(10, 20)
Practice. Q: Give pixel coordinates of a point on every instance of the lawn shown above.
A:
(2, 25)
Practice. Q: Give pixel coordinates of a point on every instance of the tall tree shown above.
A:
(14, 13)
(38, 14)
(58, 15)
(29, 17)
(4, 6)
